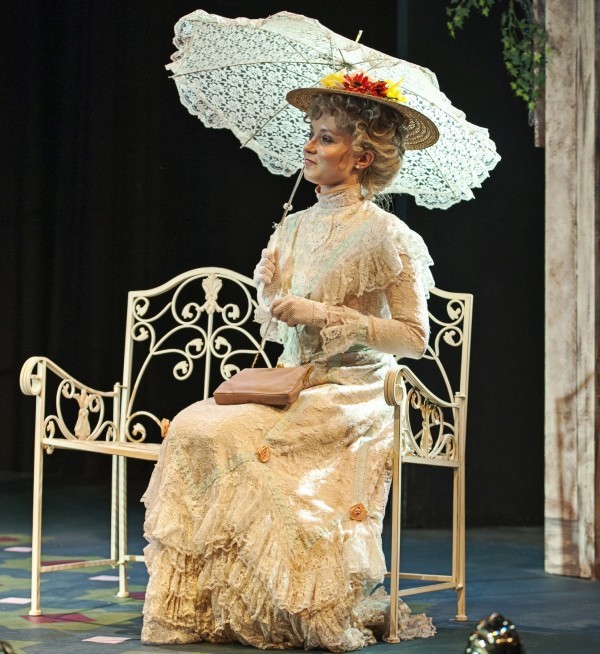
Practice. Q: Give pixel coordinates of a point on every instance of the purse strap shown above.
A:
(264, 340)
(287, 208)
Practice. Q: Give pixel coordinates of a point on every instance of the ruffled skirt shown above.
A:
(264, 525)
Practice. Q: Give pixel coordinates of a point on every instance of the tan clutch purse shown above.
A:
(272, 386)
(278, 386)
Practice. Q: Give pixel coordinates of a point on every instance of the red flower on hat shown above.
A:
(360, 83)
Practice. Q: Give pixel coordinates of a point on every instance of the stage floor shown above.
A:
(553, 615)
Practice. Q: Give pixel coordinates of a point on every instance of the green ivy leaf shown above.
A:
(524, 42)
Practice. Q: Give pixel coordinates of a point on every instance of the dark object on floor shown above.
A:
(495, 635)
(5, 648)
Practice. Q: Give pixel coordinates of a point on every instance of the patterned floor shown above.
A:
(82, 613)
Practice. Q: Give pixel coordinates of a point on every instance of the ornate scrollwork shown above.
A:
(187, 318)
(434, 437)
(140, 307)
(142, 331)
(449, 330)
(429, 408)
(30, 381)
(212, 327)
(224, 350)
(136, 431)
(212, 285)
(89, 425)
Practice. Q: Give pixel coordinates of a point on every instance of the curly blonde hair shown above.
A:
(374, 127)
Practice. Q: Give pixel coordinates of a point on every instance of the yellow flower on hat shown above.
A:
(393, 91)
(334, 80)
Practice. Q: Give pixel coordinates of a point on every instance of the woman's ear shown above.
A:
(365, 160)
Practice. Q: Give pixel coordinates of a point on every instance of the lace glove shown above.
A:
(267, 274)
(294, 310)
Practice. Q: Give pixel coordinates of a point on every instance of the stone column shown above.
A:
(572, 502)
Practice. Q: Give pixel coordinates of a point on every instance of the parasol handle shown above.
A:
(287, 207)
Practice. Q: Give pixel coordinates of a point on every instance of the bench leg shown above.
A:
(396, 522)
(122, 512)
(36, 527)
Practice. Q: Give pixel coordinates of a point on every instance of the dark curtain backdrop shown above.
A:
(110, 185)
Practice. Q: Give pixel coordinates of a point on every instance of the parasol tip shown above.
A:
(360, 33)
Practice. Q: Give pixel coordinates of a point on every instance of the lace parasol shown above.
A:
(235, 73)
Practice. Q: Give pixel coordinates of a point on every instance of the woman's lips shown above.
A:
(309, 162)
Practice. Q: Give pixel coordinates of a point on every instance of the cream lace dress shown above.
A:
(264, 524)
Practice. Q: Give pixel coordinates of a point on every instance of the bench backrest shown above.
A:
(199, 326)
(434, 430)
(445, 365)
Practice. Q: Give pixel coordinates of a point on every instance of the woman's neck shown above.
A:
(326, 190)
(341, 198)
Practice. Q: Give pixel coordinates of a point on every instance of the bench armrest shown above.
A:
(87, 408)
(427, 425)
(393, 382)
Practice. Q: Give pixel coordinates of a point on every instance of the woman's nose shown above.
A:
(309, 146)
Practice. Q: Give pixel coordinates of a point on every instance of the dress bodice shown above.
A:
(322, 233)
(344, 251)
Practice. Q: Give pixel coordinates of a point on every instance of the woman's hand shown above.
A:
(294, 310)
(265, 269)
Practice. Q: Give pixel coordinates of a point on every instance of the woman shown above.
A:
(264, 525)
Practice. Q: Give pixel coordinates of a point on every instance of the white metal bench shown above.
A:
(199, 326)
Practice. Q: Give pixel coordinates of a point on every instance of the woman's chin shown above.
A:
(309, 177)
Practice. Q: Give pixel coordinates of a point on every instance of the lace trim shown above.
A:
(426, 174)
(344, 328)
(325, 240)
(373, 261)
(374, 612)
(231, 592)
(220, 600)
(339, 258)
(229, 588)
(330, 202)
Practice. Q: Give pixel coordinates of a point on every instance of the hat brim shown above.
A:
(421, 131)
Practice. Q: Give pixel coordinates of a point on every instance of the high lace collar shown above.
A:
(338, 200)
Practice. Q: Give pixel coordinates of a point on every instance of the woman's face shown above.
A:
(328, 156)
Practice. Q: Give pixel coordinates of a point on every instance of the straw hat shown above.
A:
(421, 131)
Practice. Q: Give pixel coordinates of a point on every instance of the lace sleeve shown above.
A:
(343, 328)
(405, 334)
